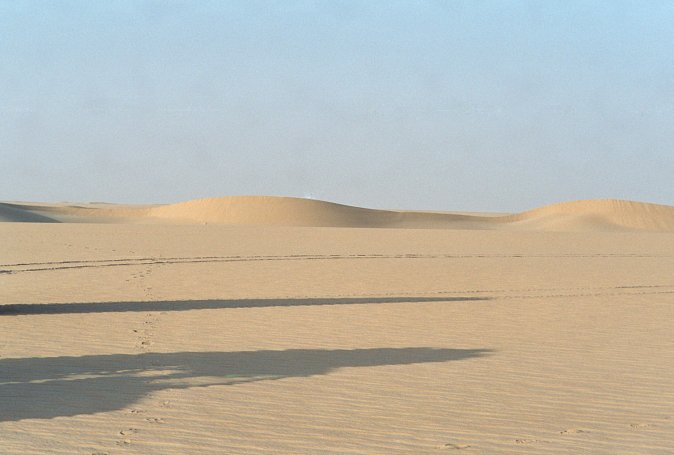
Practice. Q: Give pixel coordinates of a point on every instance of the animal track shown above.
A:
(573, 431)
(144, 335)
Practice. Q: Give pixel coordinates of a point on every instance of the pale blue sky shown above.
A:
(447, 105)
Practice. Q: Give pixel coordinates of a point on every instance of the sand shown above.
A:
(590, 215)
(277, 325)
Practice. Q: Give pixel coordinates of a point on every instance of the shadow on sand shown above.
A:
(185, 305)
(43, 388)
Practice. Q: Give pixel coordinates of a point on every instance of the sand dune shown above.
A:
(589, 215)
(600, 214)
(14, 213)
(288, 211)
(98, 212)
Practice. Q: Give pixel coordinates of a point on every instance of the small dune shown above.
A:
(597, 215)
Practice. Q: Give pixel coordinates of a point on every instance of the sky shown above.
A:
(438, 105)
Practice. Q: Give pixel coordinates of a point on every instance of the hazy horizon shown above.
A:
(474, 106)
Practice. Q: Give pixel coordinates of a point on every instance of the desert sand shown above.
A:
(266, 325)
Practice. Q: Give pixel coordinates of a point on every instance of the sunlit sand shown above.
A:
(283, 325)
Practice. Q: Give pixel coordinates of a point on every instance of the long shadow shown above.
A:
(185, 305)
(48, 387)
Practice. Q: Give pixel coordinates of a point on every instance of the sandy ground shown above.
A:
(210, 339)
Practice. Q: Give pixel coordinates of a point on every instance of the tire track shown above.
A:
(14, 268)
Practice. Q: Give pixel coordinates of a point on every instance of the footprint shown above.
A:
(526, 441)
(155, 420)
(457, 446)
(125, 442)
(573, 431)
(129, 431)
(136, 411)
(640, 425)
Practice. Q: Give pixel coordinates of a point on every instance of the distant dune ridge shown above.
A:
(587, 215)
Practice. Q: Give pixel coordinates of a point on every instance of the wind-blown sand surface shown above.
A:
(281, 325)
